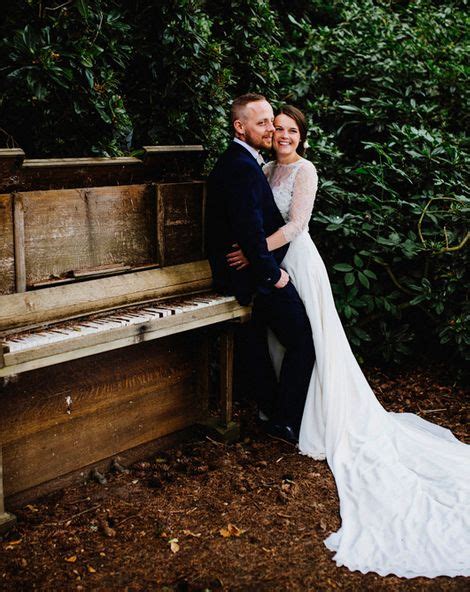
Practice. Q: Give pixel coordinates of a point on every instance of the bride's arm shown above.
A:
(301, 207)
(300, 212)
(276, 240)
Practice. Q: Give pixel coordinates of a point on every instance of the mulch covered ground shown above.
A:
(208, 516)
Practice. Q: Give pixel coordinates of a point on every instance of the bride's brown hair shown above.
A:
(299, 118)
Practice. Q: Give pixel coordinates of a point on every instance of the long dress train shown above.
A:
(403, 482)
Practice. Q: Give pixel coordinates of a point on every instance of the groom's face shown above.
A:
(255, 125)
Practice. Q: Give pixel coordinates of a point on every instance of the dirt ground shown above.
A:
(250, 516)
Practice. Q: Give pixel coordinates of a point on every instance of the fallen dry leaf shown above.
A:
(12, 543)
(174, 547)
(266, 550)
(231, 530)
(71, 559)
(189, 533)
(91, 569)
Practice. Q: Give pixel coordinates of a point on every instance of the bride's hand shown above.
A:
(237, 258)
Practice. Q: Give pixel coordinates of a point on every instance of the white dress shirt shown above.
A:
(256, 155)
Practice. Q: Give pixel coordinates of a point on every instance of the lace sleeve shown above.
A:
(301, 206)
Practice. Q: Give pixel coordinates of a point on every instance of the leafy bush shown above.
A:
(194, 56)
(384, 88)
(62, 68)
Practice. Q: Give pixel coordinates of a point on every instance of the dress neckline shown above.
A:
(288, 164)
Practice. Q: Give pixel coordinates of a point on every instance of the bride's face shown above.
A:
(286, 135)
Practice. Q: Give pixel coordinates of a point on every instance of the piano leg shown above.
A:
(6, 520)
(204, 375)
(228, 429)
(222, 427)
(226, 374)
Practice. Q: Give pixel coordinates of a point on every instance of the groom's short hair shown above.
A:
(241, 102)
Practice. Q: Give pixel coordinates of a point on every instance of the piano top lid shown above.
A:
(175, 148)
(104, 160)
(11, 153)
(151, 163)
(80, 161)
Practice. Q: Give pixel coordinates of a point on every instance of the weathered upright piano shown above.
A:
(105, 297)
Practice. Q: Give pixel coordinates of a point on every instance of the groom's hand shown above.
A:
(237, 258)
(283, 280)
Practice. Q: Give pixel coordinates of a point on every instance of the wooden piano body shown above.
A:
(97, 255)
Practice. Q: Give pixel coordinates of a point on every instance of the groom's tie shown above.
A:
(260, 160)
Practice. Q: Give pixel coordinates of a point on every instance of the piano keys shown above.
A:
(106, 331)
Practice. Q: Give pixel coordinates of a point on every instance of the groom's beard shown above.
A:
(259, 142)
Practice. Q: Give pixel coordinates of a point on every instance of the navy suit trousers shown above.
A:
(284, 313)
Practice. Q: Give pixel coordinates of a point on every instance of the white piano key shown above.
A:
(109, 323)
(190, 306)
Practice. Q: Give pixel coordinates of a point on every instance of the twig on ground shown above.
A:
(127, 518)
(81, 513)
(65, 520)
(214, 441)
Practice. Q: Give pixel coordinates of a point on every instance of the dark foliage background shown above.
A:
(384, 85)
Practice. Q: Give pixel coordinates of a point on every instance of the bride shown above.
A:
(403, 482)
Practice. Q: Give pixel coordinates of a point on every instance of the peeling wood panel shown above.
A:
(18, 231)
(38, 399)
(180, 222)
(127, 458)
(73, 229)
(7, 249)
(118, 400)
(67, 447)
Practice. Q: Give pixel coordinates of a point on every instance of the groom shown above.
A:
(241, 209)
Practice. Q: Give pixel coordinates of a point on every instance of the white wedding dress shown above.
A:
(403, 482)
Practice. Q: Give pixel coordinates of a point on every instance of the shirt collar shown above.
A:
(250, 149)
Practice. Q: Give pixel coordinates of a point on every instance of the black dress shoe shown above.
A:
(286, 433)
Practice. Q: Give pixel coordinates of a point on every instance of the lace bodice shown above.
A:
(294, 188)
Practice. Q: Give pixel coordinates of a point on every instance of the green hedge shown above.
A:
(384, 87)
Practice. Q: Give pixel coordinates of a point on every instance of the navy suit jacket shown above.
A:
(241, 209)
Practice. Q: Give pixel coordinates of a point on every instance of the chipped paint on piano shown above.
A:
(106, 313)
